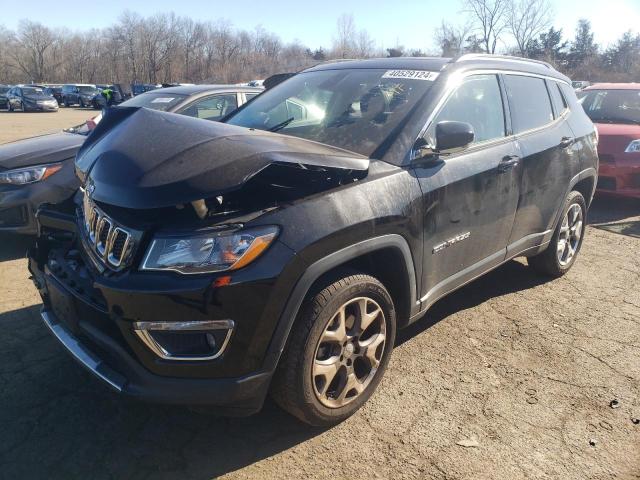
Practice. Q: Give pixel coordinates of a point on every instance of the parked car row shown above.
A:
(83, 95)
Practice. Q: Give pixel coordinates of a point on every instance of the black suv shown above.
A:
(79, 94)
(211, 263)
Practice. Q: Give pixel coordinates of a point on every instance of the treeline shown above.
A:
(525, 28)
(159, 49)
(167, 48)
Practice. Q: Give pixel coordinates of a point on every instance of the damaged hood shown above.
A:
(141, 158)
(40, 150)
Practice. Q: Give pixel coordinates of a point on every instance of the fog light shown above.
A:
(194, 341)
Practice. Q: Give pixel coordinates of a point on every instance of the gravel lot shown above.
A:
(520, 369)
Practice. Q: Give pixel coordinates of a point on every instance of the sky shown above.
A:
(410, 23)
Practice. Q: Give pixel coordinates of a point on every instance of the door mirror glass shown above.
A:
(452, 136)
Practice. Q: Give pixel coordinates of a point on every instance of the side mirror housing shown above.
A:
(451, 137)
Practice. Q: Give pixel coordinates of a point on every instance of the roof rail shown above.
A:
(471, 56)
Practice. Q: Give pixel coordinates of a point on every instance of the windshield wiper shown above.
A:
(281, 125)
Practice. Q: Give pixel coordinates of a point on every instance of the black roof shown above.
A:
(196, 89)
(432, 64)
(436, 64)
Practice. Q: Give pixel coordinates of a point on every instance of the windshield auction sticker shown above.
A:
(411, 74)
(163, 100)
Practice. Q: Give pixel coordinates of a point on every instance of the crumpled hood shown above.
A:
(39, 150)
(141, 158)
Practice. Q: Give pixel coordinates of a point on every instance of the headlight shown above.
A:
(633, 147)
(209, 252)
(23, 176)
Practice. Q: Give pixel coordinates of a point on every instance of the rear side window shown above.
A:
(559, 103)
(529, 102)
(477, 101)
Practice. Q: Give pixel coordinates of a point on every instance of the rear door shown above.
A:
(470, 197)
(545, 141)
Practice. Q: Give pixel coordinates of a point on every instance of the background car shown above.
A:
(27, 98)
(140, 88)
(40, 170)
(99, 101)
(78, 94)
(3, 95)
(56, 91)
(208, 102)
(615, 110)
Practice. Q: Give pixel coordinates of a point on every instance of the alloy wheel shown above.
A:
(570, 234)
(349, 352)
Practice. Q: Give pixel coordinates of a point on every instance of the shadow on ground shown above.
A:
(58, 422)
(14, 246)
(511, 277)
(608, 209)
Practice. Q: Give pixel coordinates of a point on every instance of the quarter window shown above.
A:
(559, 103)
(529, 102)
(477, 101)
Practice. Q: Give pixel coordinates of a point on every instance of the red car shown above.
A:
(615, 109)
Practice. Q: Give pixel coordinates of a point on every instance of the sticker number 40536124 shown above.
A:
(411, 74)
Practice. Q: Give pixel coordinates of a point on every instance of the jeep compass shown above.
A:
(280, 251)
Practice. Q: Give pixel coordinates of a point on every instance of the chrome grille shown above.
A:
(110, 242)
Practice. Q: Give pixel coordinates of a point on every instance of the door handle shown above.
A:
(508, 163)
(566, 142)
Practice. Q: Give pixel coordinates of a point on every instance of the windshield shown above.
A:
(87, 89)
(354, 109)
(4, 89)
(612, 106)
(155, 101)
(32, 91)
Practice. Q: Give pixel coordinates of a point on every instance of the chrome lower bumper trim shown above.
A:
(143, 329)
(82, 354)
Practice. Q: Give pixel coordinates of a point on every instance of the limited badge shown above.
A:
(411, 74)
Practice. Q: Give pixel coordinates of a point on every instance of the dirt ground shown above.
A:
(17, 125)
(521, 369)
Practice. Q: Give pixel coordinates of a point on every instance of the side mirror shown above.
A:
(452, 136)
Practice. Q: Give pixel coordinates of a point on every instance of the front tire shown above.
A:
(337, 351)
(562, 251)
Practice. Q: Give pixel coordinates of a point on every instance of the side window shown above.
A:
(477, 101)
(249, 96)
(212, 108)
(529, 102)
(559, 103)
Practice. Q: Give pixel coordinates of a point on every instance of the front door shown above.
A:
(470, 198)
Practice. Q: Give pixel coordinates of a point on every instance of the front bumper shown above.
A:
(620, 176)
(94, 315)
(241, 396)
(34, 107)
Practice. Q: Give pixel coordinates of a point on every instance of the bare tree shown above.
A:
(489, 18)
(364, 45)
(526, 20)
(452, 39)
(31, 45)
(344, 43)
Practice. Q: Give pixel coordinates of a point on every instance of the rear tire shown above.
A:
(337, 352)
(562, 251)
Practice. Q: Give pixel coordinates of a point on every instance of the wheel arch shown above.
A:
(373, 256)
